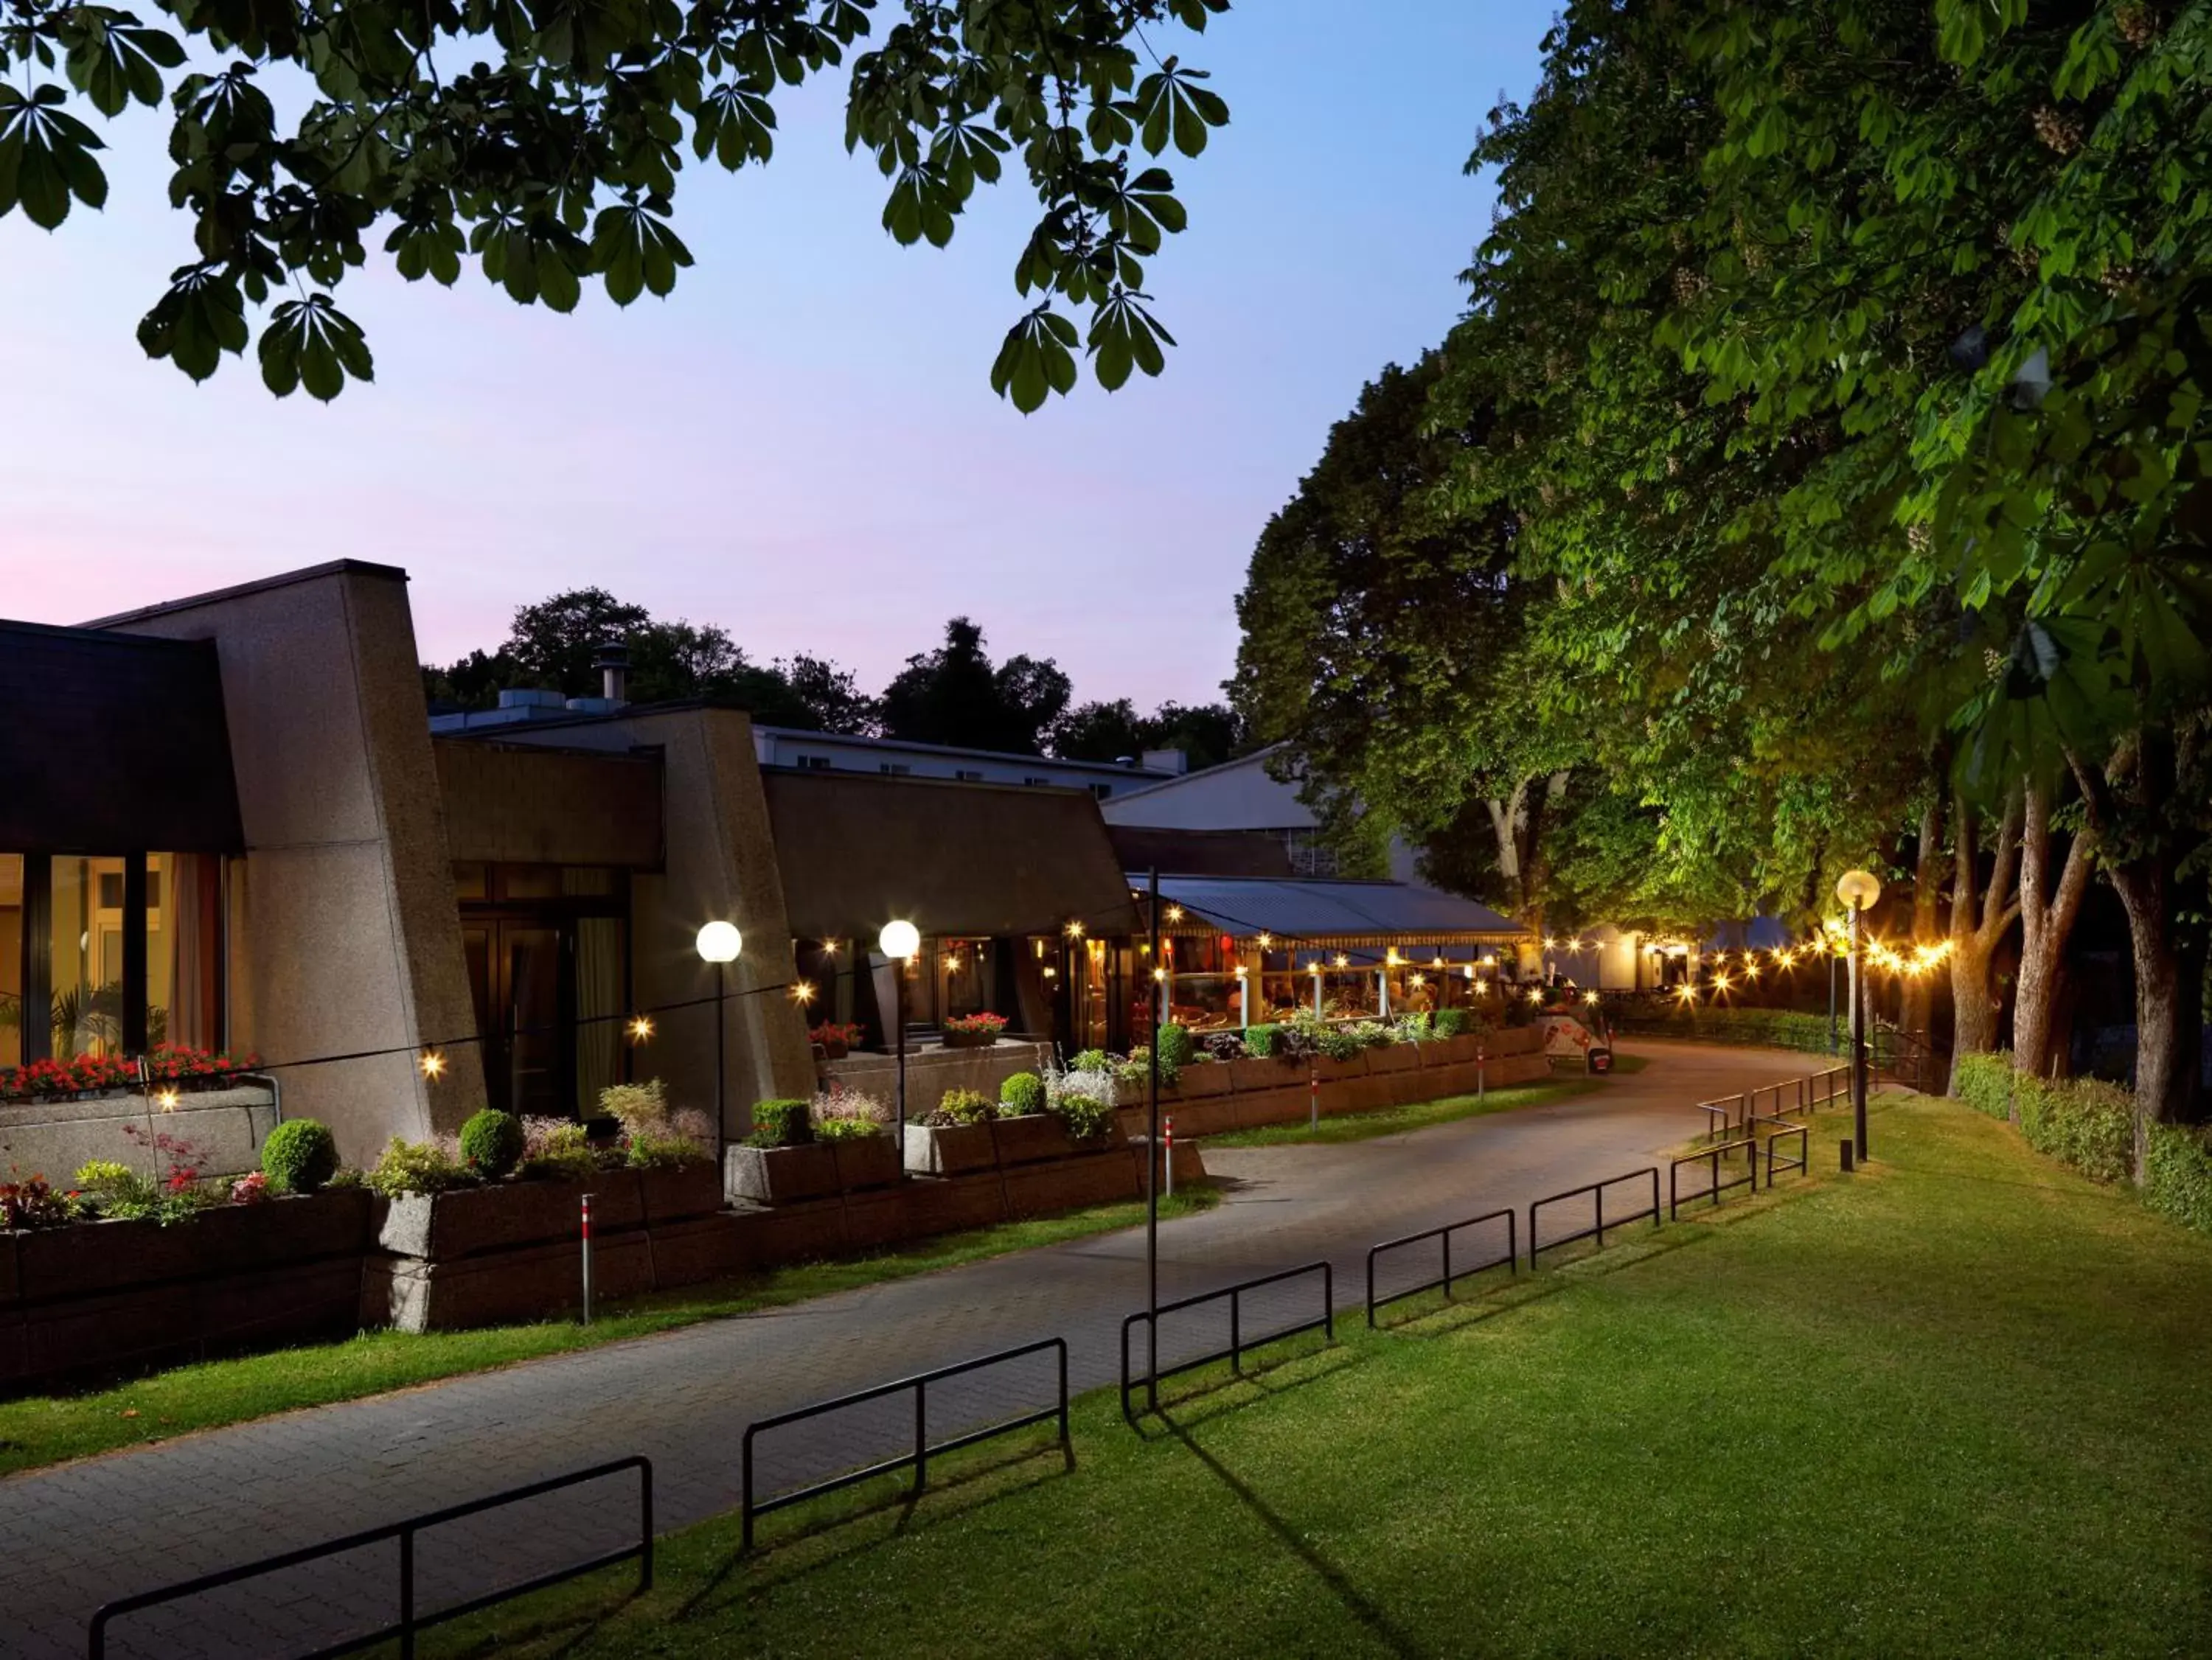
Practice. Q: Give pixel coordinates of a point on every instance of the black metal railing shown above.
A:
(1511, 1260)
(1239, 1342)
(1713, 1156)
(1723, 1116)
(750, 1507)
(1783, 1130)
(411, 1619)
(1598, 1231)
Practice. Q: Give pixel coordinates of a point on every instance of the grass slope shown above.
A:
(1960, 1403)
(45, 1429)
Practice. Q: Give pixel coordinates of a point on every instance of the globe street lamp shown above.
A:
(900, 941)
(719, 943)
(1858, 889)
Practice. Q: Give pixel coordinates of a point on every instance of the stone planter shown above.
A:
(970, 1039)
(867, 1162)
(952, 1150)
(1026, 1140)
(1202, 1079)
(1267, 1073)
(780, 1175)
(678, 1194)
(470, 1219)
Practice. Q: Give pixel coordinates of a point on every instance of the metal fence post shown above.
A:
(1235, 1330)
(920, 1436)
(587, 1259)
(645, 1527)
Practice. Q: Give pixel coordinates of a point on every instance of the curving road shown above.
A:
(73, 1536)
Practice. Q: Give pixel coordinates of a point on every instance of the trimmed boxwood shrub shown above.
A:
(2180, 1175)
(299, 1156)
(1175, 1045)
(1985, 1084)
(1770, 1028)
(2080, 1122)
(1260, 1041)
(491, 1142)
(1448, 1022)
(781, 1123)
(1021, 1095)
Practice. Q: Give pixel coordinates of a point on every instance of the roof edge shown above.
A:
(260, 584)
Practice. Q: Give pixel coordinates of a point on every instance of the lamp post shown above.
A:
(1152, 1168)
(1858, 889)
(719, 943)
(900, 941)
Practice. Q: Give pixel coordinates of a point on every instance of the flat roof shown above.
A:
(1334, 912)
(262, 585)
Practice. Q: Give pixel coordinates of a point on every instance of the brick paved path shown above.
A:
(74, 1536)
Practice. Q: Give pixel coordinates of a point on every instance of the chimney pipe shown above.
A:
(612, 661)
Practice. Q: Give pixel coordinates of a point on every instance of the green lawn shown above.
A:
(45, 1429)
(1397, 1120)
(1959, 1404)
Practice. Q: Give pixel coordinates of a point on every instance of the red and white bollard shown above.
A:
(1481, 1063)
(587, 1259)
(1167, 1145)
(1313, 1089)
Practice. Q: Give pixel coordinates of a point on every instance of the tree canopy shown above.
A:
(543, 145)
(551, 644)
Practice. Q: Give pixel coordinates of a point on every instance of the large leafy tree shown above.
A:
(1206, 733)
(1906, 302)
(957, 695)
(552, 644)
(543, 143)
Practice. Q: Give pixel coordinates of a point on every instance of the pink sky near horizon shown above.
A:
(801, 443)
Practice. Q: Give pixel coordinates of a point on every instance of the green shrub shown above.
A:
(1084, 1102)
(1412, 1028)
(2180, 1175)
(1137, 1071)
(639, 1107)
(1175, 1045)
(1448, 1022)
(1021, 1095)
(1985, 1084)
(1260, 1041)
(1091, 1060)
(491, 1142)
(415, 1167)
(781, 1123)
(845, 1130)
(556, 1149)
(962, 1106)
(100, 1177)
(1340, 1043)
(2080, 1122)
(300, 1156)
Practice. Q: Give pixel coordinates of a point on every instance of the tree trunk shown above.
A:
(1916, 1009)
(2138, 785)
(1976, 929)
(2046, 921)
(1519, 822)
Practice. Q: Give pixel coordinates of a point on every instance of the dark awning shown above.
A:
(857, 851)
(112, 743)
(1383, 913)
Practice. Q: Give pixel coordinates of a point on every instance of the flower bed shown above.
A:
(168, 1068)
(974, 1031)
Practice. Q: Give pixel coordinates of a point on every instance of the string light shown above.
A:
(641, 1027)
(803, 992)
(1589, 997)
(1159, 974)
(1343, 962)
(1174, 913)
(1420, 980)
(1686, 992)
(1535, 997)
(433, 1064)
(1075, 930)
(167, 1101)
(1266, 939)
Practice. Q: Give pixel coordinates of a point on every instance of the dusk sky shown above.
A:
(801, 443)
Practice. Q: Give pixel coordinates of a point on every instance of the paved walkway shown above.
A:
(74, 1536)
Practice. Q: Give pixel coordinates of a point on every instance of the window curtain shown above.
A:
(195, 1017)
(598, 1008)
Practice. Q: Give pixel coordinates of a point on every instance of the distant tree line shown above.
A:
(954, 694)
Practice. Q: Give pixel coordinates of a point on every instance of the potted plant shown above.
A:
(857, 1129)
(974, 1031)
(955, 1137)
(781, 1162)
(834, 1040)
